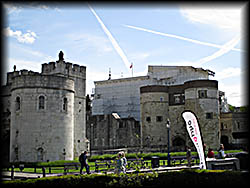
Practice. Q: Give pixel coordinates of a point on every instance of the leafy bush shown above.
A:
(183, 177)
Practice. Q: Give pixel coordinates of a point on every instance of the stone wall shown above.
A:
(234, 129)
(112, 132)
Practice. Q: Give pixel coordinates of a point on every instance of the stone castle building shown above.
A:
(164, 93)
(162, 103)
(234, 129)
(123, 95)
(46, 112)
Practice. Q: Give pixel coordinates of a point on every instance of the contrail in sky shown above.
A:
(112, 40)
(224, 49)
(181, 38)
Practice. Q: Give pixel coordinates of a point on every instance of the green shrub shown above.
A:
(183, 177)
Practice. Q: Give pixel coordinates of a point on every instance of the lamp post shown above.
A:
(168, 128)
(91, 138)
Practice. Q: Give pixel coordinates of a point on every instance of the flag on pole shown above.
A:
(195, 135)
(131, 67)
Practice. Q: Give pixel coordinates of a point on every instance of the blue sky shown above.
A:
(103, 36)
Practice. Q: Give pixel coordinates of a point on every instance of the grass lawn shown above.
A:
(52, 165)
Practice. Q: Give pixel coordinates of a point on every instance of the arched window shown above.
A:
(65, 104)
(18, 103)
(41, 102)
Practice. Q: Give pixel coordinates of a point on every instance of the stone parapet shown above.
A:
(42, 81)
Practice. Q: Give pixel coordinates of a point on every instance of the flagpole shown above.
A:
(132, 68)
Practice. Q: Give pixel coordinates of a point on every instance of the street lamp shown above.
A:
(91, 138)
(168, 128)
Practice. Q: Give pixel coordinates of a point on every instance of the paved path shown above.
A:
(28, 175)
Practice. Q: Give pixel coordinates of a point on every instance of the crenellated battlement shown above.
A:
(11, 75)
(66, 68)
(58, 68)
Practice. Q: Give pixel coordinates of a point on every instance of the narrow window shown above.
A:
(41, 103)
(202, 93)
(238, 125)
(16, 153)
(222, 126)
(121, 124)
(209, 115)
(65, 104)
(177, 99)
(183, 98)
(18, 103)
(159, 118)
(148, 119)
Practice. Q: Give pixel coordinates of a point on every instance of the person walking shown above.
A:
(124, 161)
(189, 156)
(83, 161)
(119, 164)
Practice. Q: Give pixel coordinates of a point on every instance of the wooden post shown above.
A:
(43, 169)
(96, 167)
(65, 170)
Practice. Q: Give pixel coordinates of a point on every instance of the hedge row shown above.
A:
(149, 155)
(145, 156)
(183, 177)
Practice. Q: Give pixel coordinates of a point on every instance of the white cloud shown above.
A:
(16, 8)
(11, 9)
(223, 17)
(235, 93)
(28, 37)
(93, 75)
(227, 73)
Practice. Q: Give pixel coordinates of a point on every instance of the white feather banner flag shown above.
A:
(195, 135)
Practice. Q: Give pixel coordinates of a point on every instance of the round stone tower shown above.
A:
(154, 102)
(42, 117)
(202, 97)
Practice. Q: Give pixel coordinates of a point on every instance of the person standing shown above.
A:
(83, 161)
(119, 164)
(210, 153)
(124, 160)
(221, 151)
